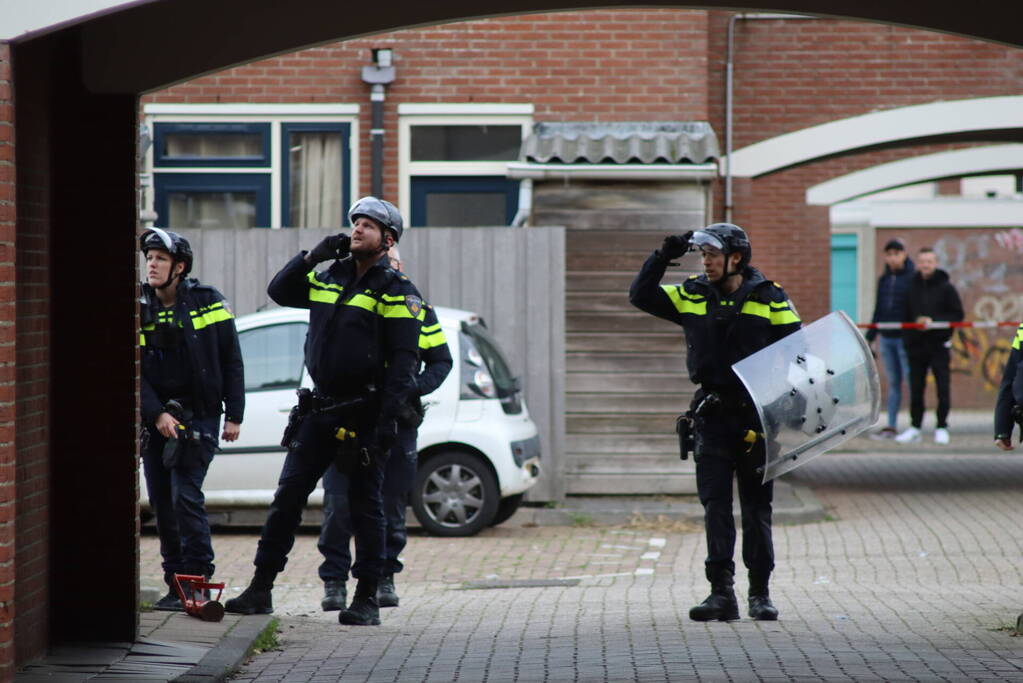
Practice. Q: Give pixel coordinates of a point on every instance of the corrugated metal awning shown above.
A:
(642, 142)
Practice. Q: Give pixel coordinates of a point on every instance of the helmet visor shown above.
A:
(703, 239)
(156, 238)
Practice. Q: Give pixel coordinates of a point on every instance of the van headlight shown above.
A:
(477, 382)
(483, 383)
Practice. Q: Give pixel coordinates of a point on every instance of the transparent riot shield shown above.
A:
(814, 390)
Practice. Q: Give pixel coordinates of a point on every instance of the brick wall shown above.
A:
(33, 356)
(613, 65)
(794, 73)
(8, 392)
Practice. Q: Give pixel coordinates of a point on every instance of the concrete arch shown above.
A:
(919, 169)
(855, 132)
(187, 38)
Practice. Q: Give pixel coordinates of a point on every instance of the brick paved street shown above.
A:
(915, 575)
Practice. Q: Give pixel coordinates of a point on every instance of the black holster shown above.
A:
(298, 414)
(686, 438)
(177, 449)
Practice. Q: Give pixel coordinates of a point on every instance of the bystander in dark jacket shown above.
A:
(932, 298)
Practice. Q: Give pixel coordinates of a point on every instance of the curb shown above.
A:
(227, 655)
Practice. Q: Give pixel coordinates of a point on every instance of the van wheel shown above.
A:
(455, 495)
(506, 508)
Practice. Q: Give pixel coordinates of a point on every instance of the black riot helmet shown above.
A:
(726, 238)
(170, 242)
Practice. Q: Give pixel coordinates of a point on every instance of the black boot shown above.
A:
(255, 599)
(335, 595)
(170, 602)
(364, 610)
(760, 606)
(385, 592)
(721, 604)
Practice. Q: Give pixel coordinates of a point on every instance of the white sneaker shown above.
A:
(910, 435)
(941, 436)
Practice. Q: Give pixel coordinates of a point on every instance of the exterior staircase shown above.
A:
(625, 372)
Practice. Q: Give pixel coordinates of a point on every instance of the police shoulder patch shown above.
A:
(414, 304)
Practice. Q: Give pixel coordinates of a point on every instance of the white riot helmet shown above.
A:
(383, 212)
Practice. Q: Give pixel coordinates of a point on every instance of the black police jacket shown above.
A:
(1010, 391)
(360, 333)
(720, 329)
(434, 353)
(206, 325)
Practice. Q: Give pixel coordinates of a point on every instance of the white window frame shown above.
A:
(274, 114)
(452, 114)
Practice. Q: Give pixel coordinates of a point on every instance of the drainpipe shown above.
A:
(729, 100)
(378, 74)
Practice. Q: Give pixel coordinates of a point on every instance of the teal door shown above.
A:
(843, 274)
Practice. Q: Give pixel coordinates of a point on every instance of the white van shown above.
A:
(478, 449)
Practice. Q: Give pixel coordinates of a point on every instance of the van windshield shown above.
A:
(487, 346)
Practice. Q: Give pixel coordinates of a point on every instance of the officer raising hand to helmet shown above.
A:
(362, 354)
(728, 313)
(191, 373)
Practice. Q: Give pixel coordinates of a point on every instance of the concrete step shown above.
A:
(653, 342)
(599, 382)
(627, 404)
(611, 361)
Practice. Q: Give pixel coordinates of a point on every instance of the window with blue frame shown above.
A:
(211, 144)
(463, 201)
(212, 200)
(219, 174)
(315, 169)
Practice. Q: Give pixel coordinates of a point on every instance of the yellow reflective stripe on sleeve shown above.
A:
(782, 314)
(362, 301)
(430, 329)
(323, 292)
(311, 276)
(389, 298)
(323, 296)
(206, 319)
(684, 303)
(399, 311)
(433, 340)
(1018, 341)
(756, 308)
(142, 338)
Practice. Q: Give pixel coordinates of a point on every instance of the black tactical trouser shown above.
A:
(721, 456)
(315, 451)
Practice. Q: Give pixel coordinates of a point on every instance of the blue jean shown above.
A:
(336, 531)
(179, 504)
(896, 369)
(306, 462)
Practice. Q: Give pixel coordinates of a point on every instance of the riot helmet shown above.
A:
(171, 242)
(383, 212)
(727, 239)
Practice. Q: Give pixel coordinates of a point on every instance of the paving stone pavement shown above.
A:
(913, 575)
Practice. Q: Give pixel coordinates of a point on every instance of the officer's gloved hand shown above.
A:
(675, 246)
(331, 247)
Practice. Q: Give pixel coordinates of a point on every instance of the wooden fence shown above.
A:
(514, 278)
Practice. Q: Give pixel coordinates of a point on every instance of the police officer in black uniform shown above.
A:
(191, 372)
(362, 352)
(1009, 402)
(399, 476)
(728, 313)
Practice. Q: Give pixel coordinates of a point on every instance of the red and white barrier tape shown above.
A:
(937, 325)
